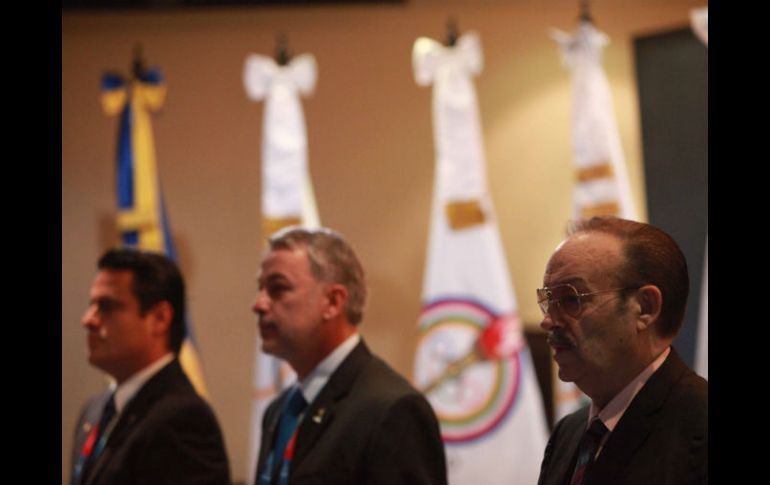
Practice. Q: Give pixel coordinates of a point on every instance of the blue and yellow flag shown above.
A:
(141, 217)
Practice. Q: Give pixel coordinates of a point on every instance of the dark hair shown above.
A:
(650, 257)
(156, 279)
(332, 260)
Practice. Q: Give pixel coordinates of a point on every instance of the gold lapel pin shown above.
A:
(319, 415)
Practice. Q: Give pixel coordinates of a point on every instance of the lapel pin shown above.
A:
(319, 415)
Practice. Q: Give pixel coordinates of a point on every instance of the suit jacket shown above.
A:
(662, 437)
(166, 434)
(368, 425)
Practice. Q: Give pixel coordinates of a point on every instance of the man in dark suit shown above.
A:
(359, 421)
(150, 427)
(614, 299)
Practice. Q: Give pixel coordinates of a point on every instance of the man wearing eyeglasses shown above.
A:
(614, 295)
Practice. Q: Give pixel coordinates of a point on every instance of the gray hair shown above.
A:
(332, 260)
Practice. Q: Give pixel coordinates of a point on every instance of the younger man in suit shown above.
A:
(359, 422)
(150, 427)
(614, 298)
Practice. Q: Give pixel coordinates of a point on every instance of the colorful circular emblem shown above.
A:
(467, 364)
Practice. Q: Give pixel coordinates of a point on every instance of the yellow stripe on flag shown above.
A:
(188, 357)
(146, 190)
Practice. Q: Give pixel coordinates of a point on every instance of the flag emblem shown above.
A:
(468, 366)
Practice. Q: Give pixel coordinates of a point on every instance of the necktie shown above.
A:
(287, 426)
(587, 449)
(93, 445)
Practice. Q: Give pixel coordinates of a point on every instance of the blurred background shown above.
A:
(371, 155)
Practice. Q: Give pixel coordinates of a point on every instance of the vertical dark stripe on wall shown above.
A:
(672, 77)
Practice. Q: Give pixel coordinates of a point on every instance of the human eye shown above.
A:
(106, 305)
(275, 289)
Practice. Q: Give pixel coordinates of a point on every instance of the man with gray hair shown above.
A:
(350, 418)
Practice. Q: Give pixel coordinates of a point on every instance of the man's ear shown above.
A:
(336, 298)
(650, 301)
(162, 313)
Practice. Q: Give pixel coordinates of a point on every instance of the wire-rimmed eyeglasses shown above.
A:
(566, 298)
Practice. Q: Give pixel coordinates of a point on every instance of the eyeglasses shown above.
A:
(566, 298)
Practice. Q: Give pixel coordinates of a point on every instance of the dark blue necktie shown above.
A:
(96, 445)
(295, 404)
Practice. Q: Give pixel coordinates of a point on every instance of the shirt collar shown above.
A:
(611, 413)
(129, 388)
(312, 384)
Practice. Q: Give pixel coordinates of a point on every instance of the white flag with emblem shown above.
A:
(472, 361)
(601, 178)
(699, 20)
(702, 344)
(287, 194)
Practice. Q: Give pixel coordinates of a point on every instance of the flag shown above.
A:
(702, 344)
(699, 21)
(601, 178)
(142, 219)
(287, 194)
(472, 361)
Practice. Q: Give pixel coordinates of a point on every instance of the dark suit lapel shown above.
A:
(89, 419)
(168, 379)
(321, 410)
(563, 448)
(637, 422)
(272, 416)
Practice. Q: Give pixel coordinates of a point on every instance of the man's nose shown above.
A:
(548, 322)
(89, 318)
(261, 303)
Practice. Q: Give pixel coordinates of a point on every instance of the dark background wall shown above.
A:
(672, 75)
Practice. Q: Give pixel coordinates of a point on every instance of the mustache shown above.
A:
(262, 321)
(100, 333)
(558, 338)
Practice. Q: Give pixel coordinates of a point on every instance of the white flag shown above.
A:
(702, 346)
(472, 361)
(699, 20)
(602, 186)
(287, 194)
(601, 178)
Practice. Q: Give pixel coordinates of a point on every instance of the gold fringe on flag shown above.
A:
(604, 209)
(464, 214)
(603, 170)
(271, 225)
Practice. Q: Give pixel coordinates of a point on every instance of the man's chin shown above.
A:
(100, 363)
(567, 367)
(270, 347)
(94, 359)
